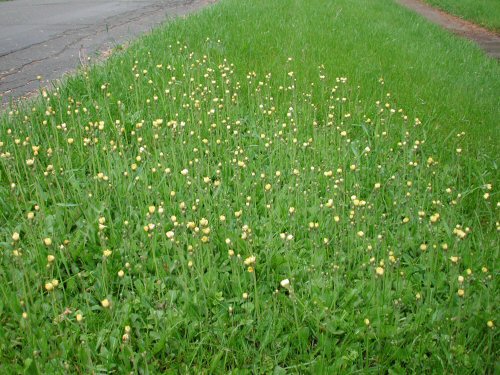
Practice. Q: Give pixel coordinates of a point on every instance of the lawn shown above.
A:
(483, 12)
(263, 187)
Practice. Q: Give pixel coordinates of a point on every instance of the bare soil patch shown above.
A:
(488, 40)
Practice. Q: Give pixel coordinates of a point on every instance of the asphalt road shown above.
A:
(48, 38)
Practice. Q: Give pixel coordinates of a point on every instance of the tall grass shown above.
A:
(266, 186)
(483, 12)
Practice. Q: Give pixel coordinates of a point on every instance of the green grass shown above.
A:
(289, 134)
(483, 12)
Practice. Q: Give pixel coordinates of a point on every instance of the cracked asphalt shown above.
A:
(49, 38)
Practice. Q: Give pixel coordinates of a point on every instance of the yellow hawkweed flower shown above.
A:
(249, 261)
(285, 283)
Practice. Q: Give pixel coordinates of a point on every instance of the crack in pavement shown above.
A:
(71, 33)
(54, 59)
(57, 36)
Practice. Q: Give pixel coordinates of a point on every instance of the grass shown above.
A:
(483, 12)
(261, 187)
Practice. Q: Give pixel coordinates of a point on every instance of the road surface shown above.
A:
(48, 38)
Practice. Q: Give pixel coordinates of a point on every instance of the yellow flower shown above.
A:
(105, 303)
(459, 233)
(285, 283)
(379, 271)
(250, 260)
(15, 236)
(47, 241)
(435, 218)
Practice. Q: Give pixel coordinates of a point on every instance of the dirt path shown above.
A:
(487, 40)
(49, 38)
